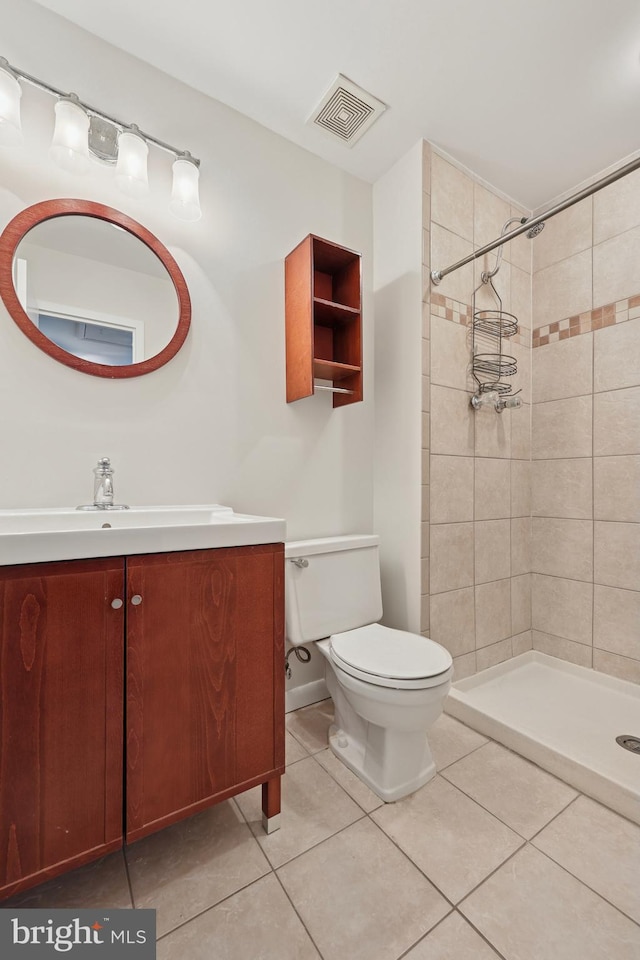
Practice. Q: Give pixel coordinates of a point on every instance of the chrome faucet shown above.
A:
(103, 488)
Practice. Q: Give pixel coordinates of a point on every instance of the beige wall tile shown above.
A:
(426, 394)
(616, 209)
(450, 354)
(615, 268)
(451, 489)
(490, 212)
(521, 296)
(426, 356)
(562, 290)
(492, 550)
(616, 666)
(562, 429)
(617, 554)
(563, 369)
(493, 432)
(522, 381)
(562, 607)
(616, 621)
(562, 488)
(562, 548)
(425, 575)
(453, 621)
(425, 614)
(424, 510)
(493, 612)
(426, 233)
(580, 653)
(451, 558)
(615, 356)
(520, 546)
(520, 488)
(451, 197)
(492, 489)
(464, 666)
(521, 432)
(452, 422)
(520, 249)
(616, 488)
(564, 235)
(521, 604)
(522, 642)
(495, 653)
(447, 248)
(616, 422)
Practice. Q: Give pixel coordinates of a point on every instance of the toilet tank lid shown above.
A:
(305, 548)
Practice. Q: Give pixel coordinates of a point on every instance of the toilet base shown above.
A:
(358, 758)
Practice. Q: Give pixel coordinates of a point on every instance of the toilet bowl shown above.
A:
(388, 686)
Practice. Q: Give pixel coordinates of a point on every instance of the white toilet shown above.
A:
(388, 686)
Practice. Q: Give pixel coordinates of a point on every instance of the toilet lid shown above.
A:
(388, 654)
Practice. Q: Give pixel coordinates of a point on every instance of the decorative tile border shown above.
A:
(588, 321)
(458, 312)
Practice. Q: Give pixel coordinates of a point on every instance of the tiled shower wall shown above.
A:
(586, 433)
(476, 519)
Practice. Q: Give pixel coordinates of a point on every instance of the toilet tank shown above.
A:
(338, 589)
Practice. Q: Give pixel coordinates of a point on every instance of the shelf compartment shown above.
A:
(323, 293)
(328, 312)
(331, 370)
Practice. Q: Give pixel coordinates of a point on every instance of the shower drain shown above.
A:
(629, 743)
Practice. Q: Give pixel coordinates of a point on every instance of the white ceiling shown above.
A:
(532, 95)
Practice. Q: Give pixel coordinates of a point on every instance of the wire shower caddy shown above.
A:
(490, 365)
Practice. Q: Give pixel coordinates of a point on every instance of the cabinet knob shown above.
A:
(136, 600)
(117, 603)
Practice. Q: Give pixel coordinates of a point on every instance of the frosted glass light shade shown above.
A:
(10, 93)
(70, 144)
(185, 200)
(131, 169)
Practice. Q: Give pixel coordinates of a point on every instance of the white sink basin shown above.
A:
(64, 533)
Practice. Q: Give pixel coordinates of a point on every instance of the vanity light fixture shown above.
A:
(131, 165)
(10, 93)
(83, 132)
(70, 145)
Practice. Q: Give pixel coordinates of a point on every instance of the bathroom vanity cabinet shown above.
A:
(134, 691)
(323, 296)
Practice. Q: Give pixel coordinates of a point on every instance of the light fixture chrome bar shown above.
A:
(438, 275)
(35, 82)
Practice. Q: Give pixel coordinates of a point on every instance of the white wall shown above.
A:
(397, 204)
(213, 424)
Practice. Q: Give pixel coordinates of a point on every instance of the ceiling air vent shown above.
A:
(346, 111)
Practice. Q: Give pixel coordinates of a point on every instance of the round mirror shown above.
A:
(93, 288)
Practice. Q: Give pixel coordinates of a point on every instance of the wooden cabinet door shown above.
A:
(61, 724)
(205, 679)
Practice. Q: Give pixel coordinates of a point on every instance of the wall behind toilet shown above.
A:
(212, 425)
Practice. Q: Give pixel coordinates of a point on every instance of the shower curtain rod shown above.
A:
(438, 275)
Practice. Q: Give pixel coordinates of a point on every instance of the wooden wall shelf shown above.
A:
(323, 303)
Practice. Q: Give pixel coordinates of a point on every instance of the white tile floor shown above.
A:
(493, 858)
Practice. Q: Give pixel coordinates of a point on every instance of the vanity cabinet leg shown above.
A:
(271, 805)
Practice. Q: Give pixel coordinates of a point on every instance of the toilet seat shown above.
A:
(387, 657)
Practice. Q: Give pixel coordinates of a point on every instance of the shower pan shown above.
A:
(566, 718)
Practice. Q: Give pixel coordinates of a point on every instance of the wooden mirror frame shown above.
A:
(17, 228)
